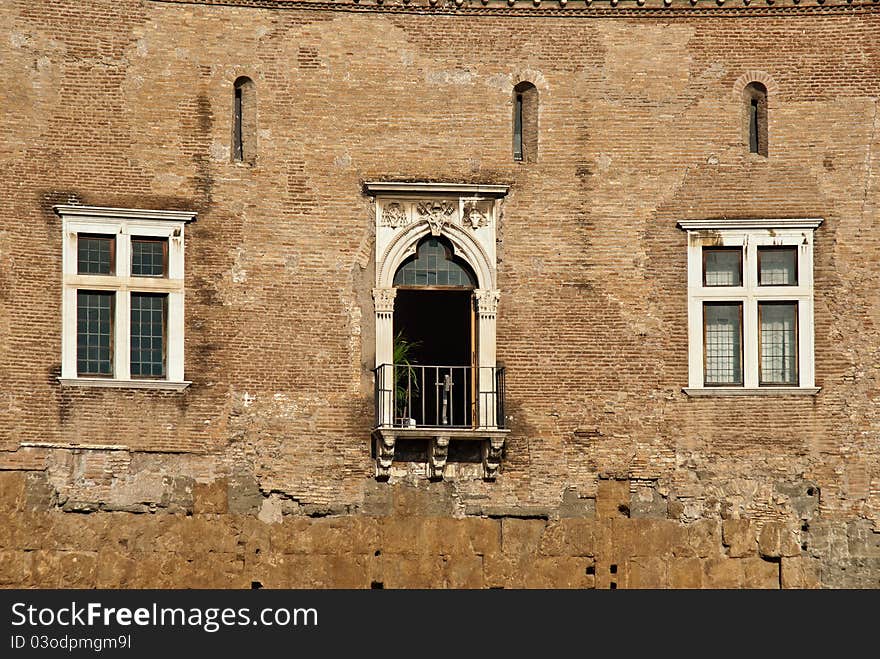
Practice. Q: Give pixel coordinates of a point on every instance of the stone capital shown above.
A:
(383, 298)
(487, 301)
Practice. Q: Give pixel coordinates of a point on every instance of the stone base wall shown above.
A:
(409, 543)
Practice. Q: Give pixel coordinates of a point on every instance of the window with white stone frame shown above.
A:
(750, 306)
(122, 297)
(435, 243)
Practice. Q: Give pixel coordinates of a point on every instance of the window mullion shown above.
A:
(750, 315)
(750, 341)
(123, 253)
(122, 335)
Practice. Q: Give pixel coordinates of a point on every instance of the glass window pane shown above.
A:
(148, 335)
(148, 257)
(94, 339)
(777, 266)
(94, 255)
(722, 267)
(778, 342)
(722, 343)
(434, 266)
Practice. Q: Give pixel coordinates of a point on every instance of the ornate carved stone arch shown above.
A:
(403, 245)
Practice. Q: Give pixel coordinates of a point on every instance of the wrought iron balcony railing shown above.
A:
(420, 396)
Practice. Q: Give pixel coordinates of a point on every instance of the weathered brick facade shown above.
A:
(261, 470)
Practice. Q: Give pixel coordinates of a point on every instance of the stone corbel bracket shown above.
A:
(438, 451)
(493, 449)
(384, 443)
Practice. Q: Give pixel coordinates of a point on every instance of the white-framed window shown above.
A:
(750, 306)
(122, 297)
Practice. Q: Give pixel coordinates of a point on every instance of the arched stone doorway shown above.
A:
(436, 287)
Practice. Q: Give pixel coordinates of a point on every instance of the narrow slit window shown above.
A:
(777, 325)
(755, 96)
(244, 121)
(722, 266)
(94, 333)
(517, 128)
(525, 122)
(236, 127)
(722, 344)
(753, 126)
(148, 340)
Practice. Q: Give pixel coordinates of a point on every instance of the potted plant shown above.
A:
(405, 381)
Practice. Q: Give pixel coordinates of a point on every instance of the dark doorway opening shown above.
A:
(438, 322)
(437, 388)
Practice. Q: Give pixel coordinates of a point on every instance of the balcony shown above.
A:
(439, 403)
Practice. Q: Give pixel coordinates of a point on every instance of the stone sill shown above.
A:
(752, 391)
(110, 383)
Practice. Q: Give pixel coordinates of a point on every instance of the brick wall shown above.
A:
(130, 104)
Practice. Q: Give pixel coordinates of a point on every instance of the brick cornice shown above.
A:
(664, 9)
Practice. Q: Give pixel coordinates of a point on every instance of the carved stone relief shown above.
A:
(436, 213)
(474, 216)
(394, 216)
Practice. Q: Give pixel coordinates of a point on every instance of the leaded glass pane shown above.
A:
(94, 255)
(94, 333)
(147, 335)
(778, 342)
(433, 266)
(148, 257)
(722, 267)
(723, 343)
(777, 266)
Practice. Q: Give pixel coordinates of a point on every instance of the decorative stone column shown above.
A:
(487, 310)
(383, 299)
